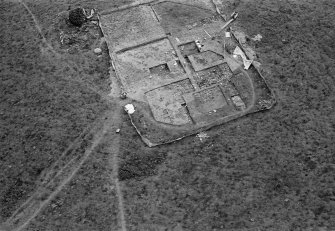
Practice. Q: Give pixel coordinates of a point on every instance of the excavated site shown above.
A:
(182, 69)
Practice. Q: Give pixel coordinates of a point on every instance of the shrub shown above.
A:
(77, 17)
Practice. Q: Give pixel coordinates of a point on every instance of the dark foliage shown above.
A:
(77, 17)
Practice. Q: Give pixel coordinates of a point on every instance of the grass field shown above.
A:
(272, 170)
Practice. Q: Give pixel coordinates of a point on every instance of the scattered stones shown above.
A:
(265, 104)
(123, 95)
(129, 108)
(97, 51)
(202, 136)
(257, 38)
(199, 45)
(91, 14)
(75, 34)
(238, 51)
(238, 102)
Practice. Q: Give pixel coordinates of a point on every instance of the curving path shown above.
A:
(65, 168)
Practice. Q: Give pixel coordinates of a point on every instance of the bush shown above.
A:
(77, 17)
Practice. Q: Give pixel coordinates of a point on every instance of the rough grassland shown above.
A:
(45, 104)
(267, 171)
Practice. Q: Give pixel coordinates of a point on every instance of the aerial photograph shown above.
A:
(167, 115)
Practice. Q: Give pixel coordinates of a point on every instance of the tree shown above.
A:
(77, 17)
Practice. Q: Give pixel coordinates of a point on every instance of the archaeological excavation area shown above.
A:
(179, 67)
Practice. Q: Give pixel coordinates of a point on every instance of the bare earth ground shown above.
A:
(267, 171)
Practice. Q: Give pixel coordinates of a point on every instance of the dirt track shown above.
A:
(53, 179)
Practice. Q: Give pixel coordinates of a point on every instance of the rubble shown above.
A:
(97, 51)
(129, 108)
(238, 52)
(202, 136)
(91, 14)
(238, 102)
(257, 38)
